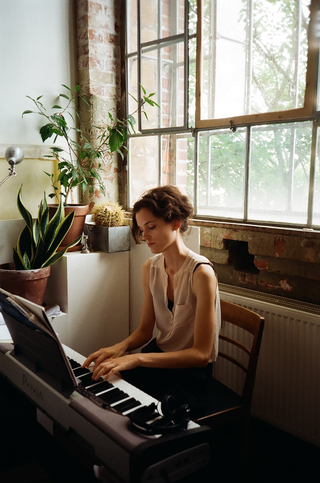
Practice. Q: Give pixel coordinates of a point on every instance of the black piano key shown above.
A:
(79, 371)
(87, 380)
(103, 386)
(113, 395)
(74, 363)
(126, 405)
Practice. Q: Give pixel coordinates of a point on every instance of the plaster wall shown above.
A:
(36, 57)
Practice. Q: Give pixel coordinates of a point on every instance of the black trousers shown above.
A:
(188, 386)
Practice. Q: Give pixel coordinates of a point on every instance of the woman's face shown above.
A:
(158, 234)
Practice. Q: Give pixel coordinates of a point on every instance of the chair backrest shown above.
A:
(252, 323)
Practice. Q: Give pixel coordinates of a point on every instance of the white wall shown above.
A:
(36, 57)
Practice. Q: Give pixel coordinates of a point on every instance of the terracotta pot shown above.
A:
(76, 228)
(30, 284)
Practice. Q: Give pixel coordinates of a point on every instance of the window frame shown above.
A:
(300, 114)
(308, 112)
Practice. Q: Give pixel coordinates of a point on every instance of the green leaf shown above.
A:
(60, 233)
(26, 215)
(84, 100)
(28, 112)
(57, 150)
(24, 247)
(117, 139)
(121, 154)
(59, 120)
(60, 253)
(133, 98)
(16, 260)
(48, 130)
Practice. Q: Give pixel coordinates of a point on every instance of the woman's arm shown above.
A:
(139, 337)
(204, 285)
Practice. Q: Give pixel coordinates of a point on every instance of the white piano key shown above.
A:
(132, 391)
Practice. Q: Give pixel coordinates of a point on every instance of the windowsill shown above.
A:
(282, 230)
(303, 232)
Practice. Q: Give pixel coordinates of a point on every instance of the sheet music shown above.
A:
(33, 317)
(4, 333)
(33, 312)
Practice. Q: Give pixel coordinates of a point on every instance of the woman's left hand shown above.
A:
(113, 366)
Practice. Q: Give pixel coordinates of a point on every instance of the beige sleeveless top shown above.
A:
(176, 327)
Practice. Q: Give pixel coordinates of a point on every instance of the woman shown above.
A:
(181, 299)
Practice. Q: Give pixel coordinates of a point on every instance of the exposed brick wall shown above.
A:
(284, 262)
(99, 74)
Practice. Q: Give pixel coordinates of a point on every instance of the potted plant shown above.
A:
(37, 248)
(80, 162)
(106, 231)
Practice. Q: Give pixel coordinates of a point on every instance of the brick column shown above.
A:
(99, 74)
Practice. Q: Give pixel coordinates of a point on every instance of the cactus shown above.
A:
(108, 214)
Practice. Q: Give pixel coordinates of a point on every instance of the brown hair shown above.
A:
(166, 202)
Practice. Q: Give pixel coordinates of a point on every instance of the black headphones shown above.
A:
(169, 420)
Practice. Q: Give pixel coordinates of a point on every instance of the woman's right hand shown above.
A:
(104, 354)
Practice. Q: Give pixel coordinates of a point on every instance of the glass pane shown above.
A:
(254, 56)
(221, 173)
(131, 13)
(192, 17)
(177, 164)
(143, 165)
(168, 157)
(185, 165)
(162, 72)
(318, 84)
(133, 87)
(161, 19)
(192, 81)
(316, 196)
(279, 173)
(150, 81)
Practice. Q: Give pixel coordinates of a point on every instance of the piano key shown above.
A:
(113, 395)
(86, 380)
(133, 391)
(102, 386)
(124, 406)
(73, 363)
(81, 371)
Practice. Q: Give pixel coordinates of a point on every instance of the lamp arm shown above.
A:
(12, 172)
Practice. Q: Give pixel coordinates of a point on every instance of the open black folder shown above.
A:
(36, 345)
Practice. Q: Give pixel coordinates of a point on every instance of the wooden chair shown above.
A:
(238, 353)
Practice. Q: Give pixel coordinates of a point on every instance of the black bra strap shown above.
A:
(202, 263)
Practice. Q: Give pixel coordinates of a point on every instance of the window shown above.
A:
(238, 90)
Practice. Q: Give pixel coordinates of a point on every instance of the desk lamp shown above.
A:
(14, 155)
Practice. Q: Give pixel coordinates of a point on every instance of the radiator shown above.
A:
(287, 386)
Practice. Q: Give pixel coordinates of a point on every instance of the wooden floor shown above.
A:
(28, 454)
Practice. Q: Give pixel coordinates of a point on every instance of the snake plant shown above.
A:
(40, 239)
